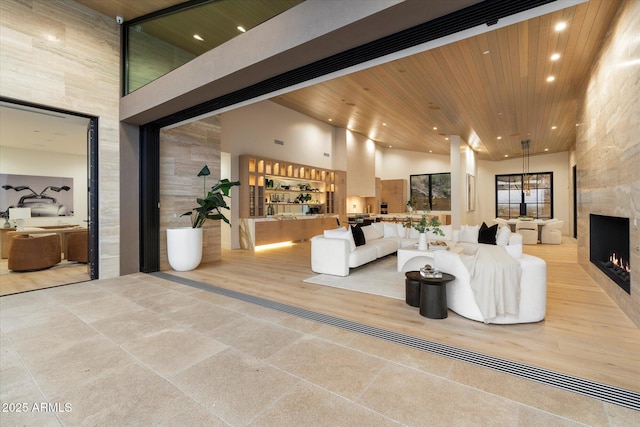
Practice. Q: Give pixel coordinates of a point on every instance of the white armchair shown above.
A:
(529, 232)
(551, 232)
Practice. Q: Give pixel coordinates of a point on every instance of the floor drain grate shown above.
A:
(606, 393)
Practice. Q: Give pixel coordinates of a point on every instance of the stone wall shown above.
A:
(608, 148)
(63, 55)
(184, 150)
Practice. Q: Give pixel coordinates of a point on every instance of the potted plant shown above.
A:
(184, 244)
(423, 225)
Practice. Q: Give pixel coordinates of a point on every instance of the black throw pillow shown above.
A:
(358, 235)
(487, 234)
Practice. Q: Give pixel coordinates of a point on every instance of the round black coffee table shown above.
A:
(433, 296)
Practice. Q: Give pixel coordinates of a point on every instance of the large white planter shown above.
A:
(184, 248)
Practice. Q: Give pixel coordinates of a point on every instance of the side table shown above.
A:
(412, 288)
(433, 296)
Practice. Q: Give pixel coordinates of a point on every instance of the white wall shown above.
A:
(44, 163)
(361, 153)
(254, 128)
(399, 164)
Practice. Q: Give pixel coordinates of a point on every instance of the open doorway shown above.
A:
(48, 169)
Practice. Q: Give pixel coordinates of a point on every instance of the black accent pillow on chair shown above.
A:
(358, 235)
(487, 234)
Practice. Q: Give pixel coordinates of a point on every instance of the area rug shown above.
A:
(379, 277)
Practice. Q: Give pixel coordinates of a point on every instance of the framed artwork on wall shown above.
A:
(471, 192)
(44, 195)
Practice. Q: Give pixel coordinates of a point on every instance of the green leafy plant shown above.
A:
(424, 224)
(214, 200)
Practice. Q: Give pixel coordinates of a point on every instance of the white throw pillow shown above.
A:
(469, 233)
(390, 229)
(514, 250)
(402, 230)
(341, 233)
(379, 227)
(370, 233)
(446, 229)
(503, 235)
(413, 233)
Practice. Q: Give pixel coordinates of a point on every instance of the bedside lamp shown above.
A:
(19, 215)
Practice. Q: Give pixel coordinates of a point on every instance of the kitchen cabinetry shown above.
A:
(394, 194)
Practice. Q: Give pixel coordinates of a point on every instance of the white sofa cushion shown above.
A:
(392, 229)
(503, 235)
(341, 233)
(515, 250)
(371, 233)
(413, 233)
(384, 247)
(362, 255)
(446, 229)
(469, 233)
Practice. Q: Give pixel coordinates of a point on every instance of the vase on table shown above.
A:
(422, 241)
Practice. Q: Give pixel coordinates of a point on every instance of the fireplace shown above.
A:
(609, 248)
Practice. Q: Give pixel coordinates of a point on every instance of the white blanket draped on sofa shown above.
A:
(495, 281)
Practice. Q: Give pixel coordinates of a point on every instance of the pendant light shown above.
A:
(525, 167)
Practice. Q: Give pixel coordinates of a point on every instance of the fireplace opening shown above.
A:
(609, 248)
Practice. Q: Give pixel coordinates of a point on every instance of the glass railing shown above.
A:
(166, 40)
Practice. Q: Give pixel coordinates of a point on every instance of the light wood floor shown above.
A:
(584, 334)
(12, 282)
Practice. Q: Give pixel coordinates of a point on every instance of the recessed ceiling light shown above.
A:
(241, 29)
(486, 52)
(506, 155)
(499, 137)
(435, 128)
(446, 139)
(384, 124)
(197, 37)
(554, 127)
(555, 56)
(551, 78)
(560, 26)
(391, 146)
(431, 151)
(546, 149)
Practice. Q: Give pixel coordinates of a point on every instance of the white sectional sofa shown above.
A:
(533, 289)
(335, 252)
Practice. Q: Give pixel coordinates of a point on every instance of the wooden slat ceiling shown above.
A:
(459, 89)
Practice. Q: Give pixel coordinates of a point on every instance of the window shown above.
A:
(512, 202)
(160, 42)
(431, 191)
